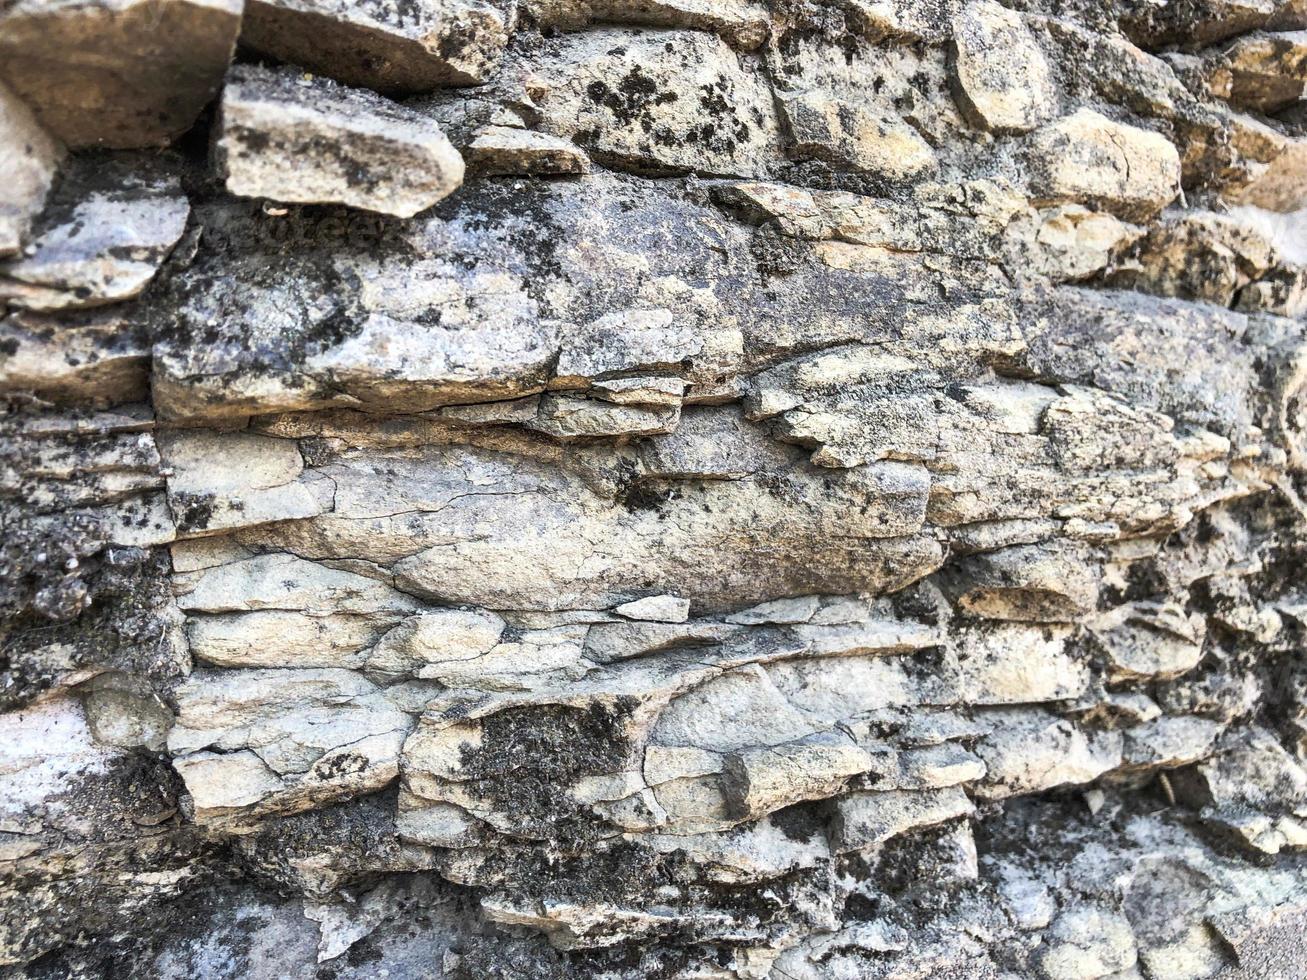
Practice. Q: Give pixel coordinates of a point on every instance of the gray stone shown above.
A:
(305, 141)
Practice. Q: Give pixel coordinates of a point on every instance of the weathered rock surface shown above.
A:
(31, 159)
(117, 73)
(821, 497)
(292, 138)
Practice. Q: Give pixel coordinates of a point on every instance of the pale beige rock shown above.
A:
(1031, 752)
(306, 141)
(254, 741)
(566, 417)
(743, 23)
(1001, 77)
(854, 137)
(1087, 943)
(1152, 640)
(656, 608)
(223, 480)
(434, 636)
(508, 150)
(1089, 159)
(645, 340)
(117, 73)
(863, 819)
(29, 157)
(382, 44)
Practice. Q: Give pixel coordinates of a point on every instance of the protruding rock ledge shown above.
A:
(291, 137)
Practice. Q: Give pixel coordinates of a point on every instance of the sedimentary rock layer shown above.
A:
(739, 490)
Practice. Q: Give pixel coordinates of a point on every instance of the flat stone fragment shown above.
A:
(567, 417)
(106, 251)
(1001, 78)
(743, 23)
(506, 150)
(117, 73)
(863, 819)
(852, 137)
(29, 158)
(307, 141)
(1090, 159)
(656, 608)
(671, 101)
(388, 45)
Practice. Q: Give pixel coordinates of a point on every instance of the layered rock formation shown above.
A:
(792, 490)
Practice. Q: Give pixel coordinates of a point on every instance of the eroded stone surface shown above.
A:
(863, 540)
(291, 138)
(386, 45)
(118, 73)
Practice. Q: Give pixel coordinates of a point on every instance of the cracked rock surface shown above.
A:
(790, 490)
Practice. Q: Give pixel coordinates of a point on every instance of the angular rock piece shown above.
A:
(380, 44)
(853, 137)
(741, 22)
(1026, 583)
(1261, 72)
(566, 417)
(226, 480)
(117, 73)
(1090, 159)
(864, 819)
(1088, 942)
(106, 250)
(255, 741)
(311, 142)
(1152, 640)
(657, 609)
(659, 100)
(507, 150)
(29, 159)
(1001, 78)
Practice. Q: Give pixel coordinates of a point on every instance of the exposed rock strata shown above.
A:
(735, 490)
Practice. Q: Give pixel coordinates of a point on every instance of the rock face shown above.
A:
(821, 496)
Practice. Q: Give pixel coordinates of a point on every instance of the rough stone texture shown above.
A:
(823, 498)
(290, 137)
(390, 45)
(117, 73)
(30, 158)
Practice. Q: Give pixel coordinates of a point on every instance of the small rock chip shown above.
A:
(505, 150)
(117, 73)
(656, 609)
(29, 159)
(320, 143)
(1001, 78)
(392, 47)
(1088, 158)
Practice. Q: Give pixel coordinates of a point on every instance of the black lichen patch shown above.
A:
(530, 757)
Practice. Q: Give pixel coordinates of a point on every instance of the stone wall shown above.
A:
(705, 489)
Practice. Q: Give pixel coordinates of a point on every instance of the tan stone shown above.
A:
(117, 73)
(1090, 159)
(391, 47)
(309, 142)
(1001, 78)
